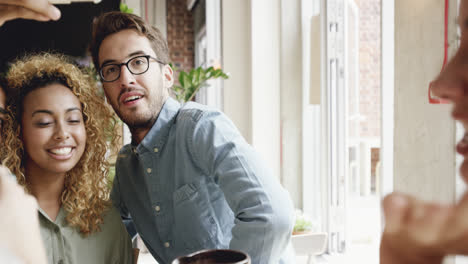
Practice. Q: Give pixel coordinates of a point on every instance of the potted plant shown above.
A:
(306, 238)
(190, 82)
(303, 224)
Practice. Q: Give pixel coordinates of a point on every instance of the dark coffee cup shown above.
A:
(212, 256)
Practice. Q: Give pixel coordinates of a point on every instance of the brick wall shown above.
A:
(180, 34)
(369, 66)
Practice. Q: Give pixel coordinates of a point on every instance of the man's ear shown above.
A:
(168, 75)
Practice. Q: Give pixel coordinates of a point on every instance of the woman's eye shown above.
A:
(74, 121)
(43, 124)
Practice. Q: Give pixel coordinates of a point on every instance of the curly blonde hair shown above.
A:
(86, 192)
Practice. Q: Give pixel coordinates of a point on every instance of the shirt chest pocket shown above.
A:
(195, 225)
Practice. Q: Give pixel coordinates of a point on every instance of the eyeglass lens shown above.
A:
(137, 65)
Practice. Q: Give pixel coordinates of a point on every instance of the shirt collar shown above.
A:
(157, 135)
(59, 220)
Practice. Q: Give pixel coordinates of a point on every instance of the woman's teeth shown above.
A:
(61, 151)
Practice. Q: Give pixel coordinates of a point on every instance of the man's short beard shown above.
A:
(139, 124)
(135, 122)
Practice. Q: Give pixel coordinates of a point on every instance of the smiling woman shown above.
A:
(53, 132)
(55, 140)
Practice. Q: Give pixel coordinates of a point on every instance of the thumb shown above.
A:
(395, 207)
(9, 12)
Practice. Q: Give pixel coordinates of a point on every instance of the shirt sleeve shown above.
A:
(264, 213)
(126, 247)
(116, 196)
(123, 248)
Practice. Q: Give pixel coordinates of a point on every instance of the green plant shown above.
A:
(303, 223)
(92, 72)
(191, 82)
(125, 9)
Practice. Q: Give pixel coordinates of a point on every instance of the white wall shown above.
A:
(291, 98)
(265, 17)
(251, 55)
(424, 134)
(387, 98)
(236, 53)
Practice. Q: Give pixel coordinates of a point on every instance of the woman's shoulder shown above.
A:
(112, 219)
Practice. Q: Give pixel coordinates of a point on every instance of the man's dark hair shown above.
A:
(113, 22)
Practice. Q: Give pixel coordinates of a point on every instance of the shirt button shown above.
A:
(60, 262)
(156, 149)
(57, 229)
(157, 208)
(148, 170)
(134, 150)
(167, 244)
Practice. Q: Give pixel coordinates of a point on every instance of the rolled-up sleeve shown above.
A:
(263, 210)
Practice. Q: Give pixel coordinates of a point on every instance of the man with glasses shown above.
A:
(188, 179)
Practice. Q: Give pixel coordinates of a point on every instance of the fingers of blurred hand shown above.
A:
(9, 12)
(410, 218)
(19, 222)
(13, 195)
(12, 191)
(39, 6)
(412, 230)
(5, 183)
(422, 226)
(456, 231)
(395, 208)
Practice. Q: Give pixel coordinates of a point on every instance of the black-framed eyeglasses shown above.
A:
(136, 65)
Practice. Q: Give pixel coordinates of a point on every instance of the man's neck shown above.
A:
(138, 134)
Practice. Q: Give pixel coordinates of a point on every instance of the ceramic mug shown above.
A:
(212, 256)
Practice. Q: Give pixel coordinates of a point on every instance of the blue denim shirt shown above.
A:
(194, 183)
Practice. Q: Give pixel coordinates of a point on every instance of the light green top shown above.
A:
(66, 245)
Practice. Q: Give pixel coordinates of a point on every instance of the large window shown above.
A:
(349, 141)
